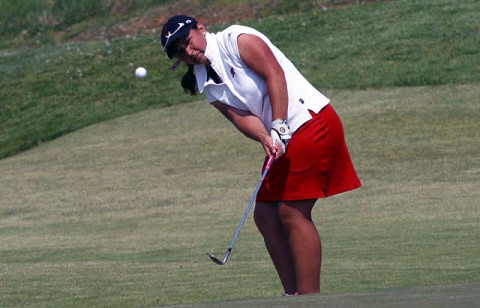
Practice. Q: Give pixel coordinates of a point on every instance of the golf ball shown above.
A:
(140, 72)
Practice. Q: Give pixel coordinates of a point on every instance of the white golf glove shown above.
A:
(280, 133)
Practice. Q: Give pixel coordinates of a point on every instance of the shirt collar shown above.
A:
(210, 51)
(201, 76)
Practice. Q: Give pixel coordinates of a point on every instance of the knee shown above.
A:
(287, 219)
(295, 213)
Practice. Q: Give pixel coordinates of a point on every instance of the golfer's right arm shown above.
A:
(251, 126)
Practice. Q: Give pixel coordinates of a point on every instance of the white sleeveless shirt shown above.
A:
(244, 89)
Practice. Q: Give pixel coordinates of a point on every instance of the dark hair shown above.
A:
(189, 82)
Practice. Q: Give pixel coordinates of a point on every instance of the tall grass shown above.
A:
(33, 21)
(26, 22)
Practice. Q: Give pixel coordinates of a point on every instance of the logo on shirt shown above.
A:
(232, 71)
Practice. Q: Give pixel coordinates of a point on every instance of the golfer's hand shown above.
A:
(280, 133)
(271, 147)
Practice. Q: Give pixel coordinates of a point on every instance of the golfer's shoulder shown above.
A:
(228, 38)
(233, 32)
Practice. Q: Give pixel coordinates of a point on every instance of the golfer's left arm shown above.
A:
(251, 126)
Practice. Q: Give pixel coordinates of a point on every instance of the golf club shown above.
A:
(229, 250)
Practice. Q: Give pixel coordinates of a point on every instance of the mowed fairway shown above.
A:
(121, 214)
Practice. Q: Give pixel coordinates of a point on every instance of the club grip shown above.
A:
(269, 162)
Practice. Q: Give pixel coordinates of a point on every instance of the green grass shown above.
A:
(400, 43)
(57, 90)
(122, 213)
(121, 210)
(52, 90)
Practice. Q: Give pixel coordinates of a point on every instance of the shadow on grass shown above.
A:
(461, 295)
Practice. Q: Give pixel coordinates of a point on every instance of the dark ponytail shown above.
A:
(189, 82)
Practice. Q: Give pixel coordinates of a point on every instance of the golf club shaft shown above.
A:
(247, 211)
(229, 250)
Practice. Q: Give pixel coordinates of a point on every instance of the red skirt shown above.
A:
(317, 163)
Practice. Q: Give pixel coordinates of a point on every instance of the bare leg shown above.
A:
(305, 244)
(277, 243)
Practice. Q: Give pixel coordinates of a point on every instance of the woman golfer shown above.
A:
(253, 84)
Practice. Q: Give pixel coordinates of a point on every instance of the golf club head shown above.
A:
(215, 259)
(225, 258)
